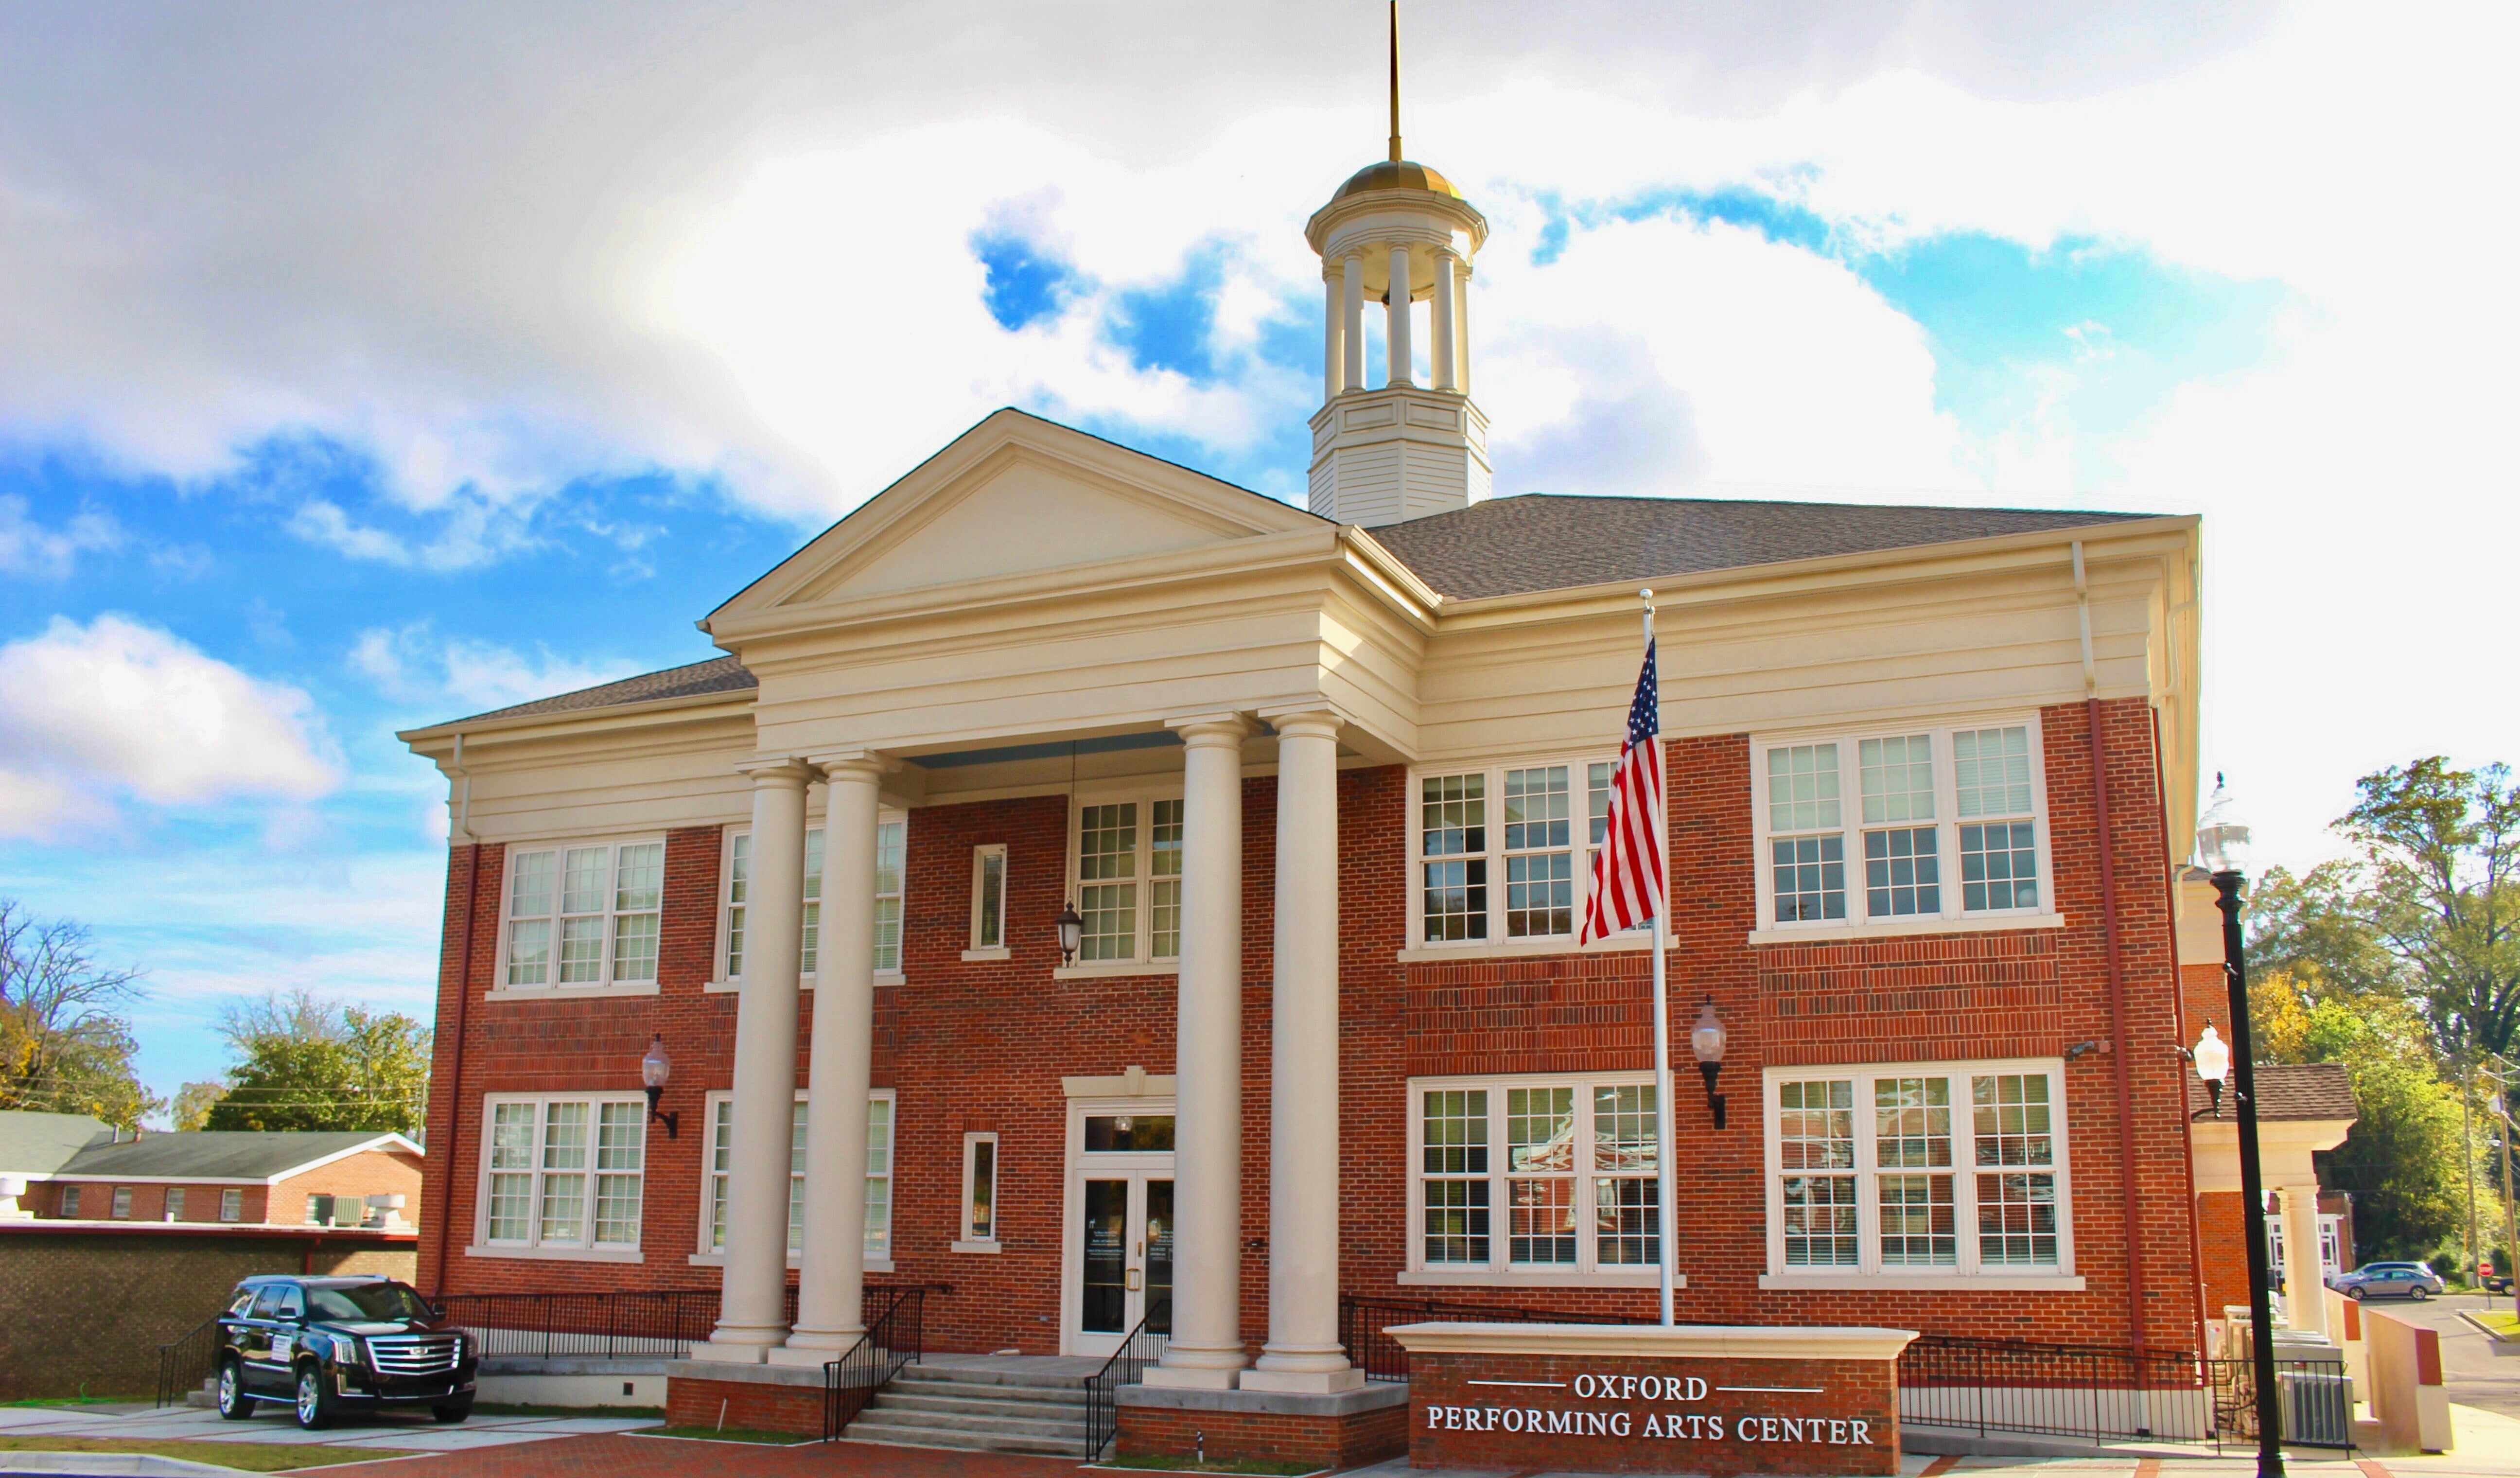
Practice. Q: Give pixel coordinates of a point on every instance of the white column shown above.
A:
(1334, 332)
(830, 1278)
(1440, 310)
(1352, 320)
(2305, 1292)
(753, 1301)
(1461, 326)
(1398, 308)
(1303, 1348)
(1205, 1349)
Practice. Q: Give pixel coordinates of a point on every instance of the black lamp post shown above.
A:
(1706, 1041)
(653, 1069)
(2222, 843)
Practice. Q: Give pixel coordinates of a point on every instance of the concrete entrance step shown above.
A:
(1006, 1406)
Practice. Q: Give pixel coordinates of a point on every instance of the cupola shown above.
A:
(1389, 449)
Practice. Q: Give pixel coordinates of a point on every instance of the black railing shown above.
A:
(1363, 1321)
(2094, 1392)
(597, 1325)
(896, 1335)
(184, 1364)
(1144, 1346)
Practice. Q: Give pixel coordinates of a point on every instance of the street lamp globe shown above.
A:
(2212, 1058)
(2222, 836)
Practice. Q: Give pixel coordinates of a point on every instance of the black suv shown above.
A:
(327, 1345)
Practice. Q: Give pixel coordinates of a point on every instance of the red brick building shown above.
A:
(1322, 789)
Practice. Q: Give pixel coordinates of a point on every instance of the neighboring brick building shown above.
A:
(229, 1177)
(1321, 790)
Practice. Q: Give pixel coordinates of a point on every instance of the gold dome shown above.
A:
(1401, 174)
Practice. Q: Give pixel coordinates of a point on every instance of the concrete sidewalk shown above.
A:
(395, 1433)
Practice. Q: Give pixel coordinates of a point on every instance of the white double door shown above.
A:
(1119, 1244)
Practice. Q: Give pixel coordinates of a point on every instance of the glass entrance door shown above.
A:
(1125, 1259)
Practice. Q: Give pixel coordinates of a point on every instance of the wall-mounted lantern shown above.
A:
(653, 1070)
(1071, 932)
(1706, 1039)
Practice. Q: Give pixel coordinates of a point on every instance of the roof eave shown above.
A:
(416, 739)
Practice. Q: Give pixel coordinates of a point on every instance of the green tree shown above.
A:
(193, 1102)
(65, 1042)
(2439, 881)
(311, 1063)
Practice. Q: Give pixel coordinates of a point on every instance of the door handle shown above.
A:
(1133, 1283)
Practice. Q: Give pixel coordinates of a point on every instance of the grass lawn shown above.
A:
(728, 1434)
(255, 1456)
(639, 1413)
(2505, 1326)
(1192, 1465)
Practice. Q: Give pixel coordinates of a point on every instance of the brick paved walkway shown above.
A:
(621, 1456)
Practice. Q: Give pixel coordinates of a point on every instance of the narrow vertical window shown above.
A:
(70, 1203)
(563, 1188)
(810, 944)
(529, 925)
(638, 894)
(122, 1203)
(1810, 869)
(1539, 863)
(1540, 1166)
(1913, 1147)
(721, 1162)
(989, 897)
(620, 1156)
(1454, 1133)
(232, 1205)
(738, 886)
(891, 838)
(796, 1179)
(1902, 851)
(980, 1188)
(1627, 1201)
(879, 1180)
(1453, 835)
(1164, 879)
(512, 1173)
(2016, 1183)
(1998, 832)
(174, 1203)
(1816, 1143)
(1106, 858)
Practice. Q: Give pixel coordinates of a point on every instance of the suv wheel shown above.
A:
(453, 1410)
(234, 1403)
(314, 1405)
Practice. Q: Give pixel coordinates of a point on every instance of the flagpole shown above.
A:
(1661, 1003)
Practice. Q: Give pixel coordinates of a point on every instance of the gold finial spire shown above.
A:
(1395, 81)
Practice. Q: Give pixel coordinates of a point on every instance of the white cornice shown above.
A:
(1654, 1341)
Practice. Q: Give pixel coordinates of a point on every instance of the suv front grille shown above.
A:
(412, 1354)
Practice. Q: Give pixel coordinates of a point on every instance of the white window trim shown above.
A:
(588, 1250)
(1868, 1272)
(705, 1257)
(721, 980)
(980, 856)
(1769, 929)
(500, 990)
(231, 1211)
(963, 1240)
(1420, 950)
(1141, 960)
(1501, 1272)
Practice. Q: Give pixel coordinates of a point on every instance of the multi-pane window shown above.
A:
(1869, 1169)
(121, 1202)
(232, 1205)
(1573, 1164)
(1515, 825)
(1868, 828)
(174, 1203)
(890, 839)
(583, 915)
(566, 1171)
(70, 1203)
(878, 1192)
(1124, 847)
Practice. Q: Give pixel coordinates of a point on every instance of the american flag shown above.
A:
(1627, 871)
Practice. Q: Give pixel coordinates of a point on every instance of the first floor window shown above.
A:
(1902, 1167)
(232, 1205)
(980, 1188)
(1571, 1164)
(121, 1202)
(878, 1194)
(174, 1203)
(70, 1202)
(566, 1171)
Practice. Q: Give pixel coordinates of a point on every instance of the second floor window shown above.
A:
(891, 837)
(1887, 829)
(1129, 879)
(583, 915)
(1507, 853)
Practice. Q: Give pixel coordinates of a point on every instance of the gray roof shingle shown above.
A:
(2288, 1091)
(1546, 541)
(218, 1154)
(716, 674)
(40, 1143)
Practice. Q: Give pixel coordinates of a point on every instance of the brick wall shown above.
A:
(1322, 1442)
(85, 1313)
(376, 1172)
(148, 1202)
(2222, 1247)
(373, 1173)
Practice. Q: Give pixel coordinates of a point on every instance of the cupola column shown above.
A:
(1352, 320)
(1443, 352)
(1334, 332)
(1462, 325)
(1398, 299)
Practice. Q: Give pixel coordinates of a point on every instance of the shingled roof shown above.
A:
(2288, 1091)
(1546, 541)
(716, 674)
(231, 1155)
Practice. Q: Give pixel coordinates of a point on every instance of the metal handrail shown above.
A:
(866, 1367)
(184, 1361)
(1141, 1348)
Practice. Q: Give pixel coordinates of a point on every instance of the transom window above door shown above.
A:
(1506, 853)
(1127, 858)
(582, 916)
(1910, 827)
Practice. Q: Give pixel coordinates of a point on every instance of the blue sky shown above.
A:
(333, 458)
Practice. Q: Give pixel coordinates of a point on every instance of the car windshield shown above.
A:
(368, 1301)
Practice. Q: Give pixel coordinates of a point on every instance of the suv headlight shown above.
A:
(347, 1351)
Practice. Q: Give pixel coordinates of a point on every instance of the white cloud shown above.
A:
(412, 664)
(116, 710)
(28, 548)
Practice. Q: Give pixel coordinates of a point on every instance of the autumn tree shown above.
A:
(65, 1042)
(306, 1062)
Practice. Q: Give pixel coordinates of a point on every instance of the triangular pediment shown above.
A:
(1015, 495)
